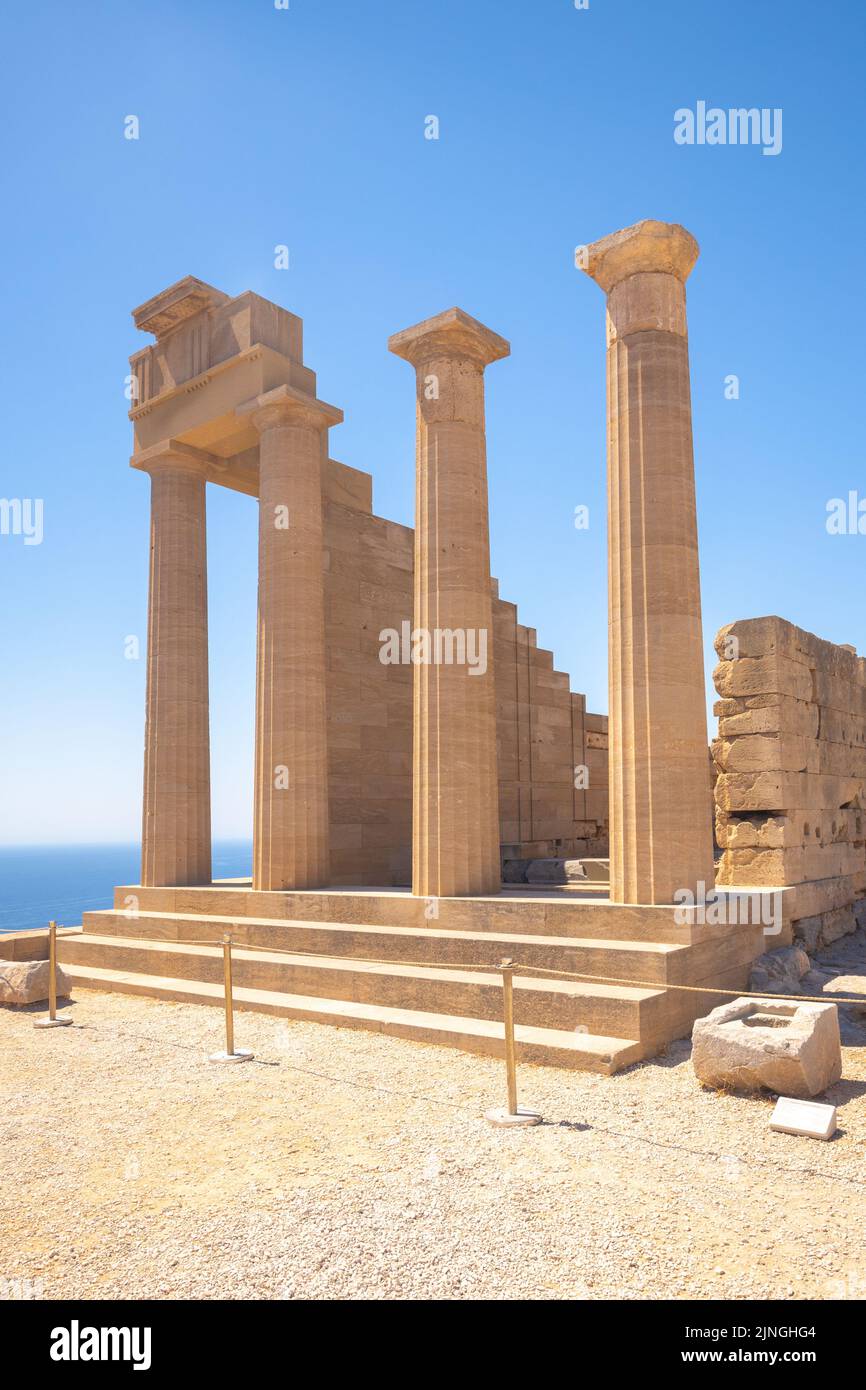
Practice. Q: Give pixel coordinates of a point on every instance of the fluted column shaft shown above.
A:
(455, 843)
(290, 831)
(660, 814)
(176, 830)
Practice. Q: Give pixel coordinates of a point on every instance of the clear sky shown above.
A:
(305, 127)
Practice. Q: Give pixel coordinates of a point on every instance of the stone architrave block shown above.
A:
(767, 1044)
(26, 981)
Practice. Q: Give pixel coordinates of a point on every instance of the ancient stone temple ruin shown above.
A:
(429, 792)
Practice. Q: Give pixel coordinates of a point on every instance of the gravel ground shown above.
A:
(342, 1164)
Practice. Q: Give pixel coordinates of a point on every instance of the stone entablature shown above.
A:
(198, 327)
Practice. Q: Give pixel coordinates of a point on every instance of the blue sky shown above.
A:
(305, 127)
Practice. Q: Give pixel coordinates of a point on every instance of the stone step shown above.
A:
(649, 961)
(541, 1046)
(558, 913)
(610, 1010)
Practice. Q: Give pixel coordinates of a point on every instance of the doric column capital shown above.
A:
(452, 334)
(285, 405)
(643, 270)
(171, 456)
(649, 247)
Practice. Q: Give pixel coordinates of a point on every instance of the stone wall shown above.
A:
(544, 732)
(791, 762)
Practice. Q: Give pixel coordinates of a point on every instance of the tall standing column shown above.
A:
(176, 831)
(455, 838)
(290, 830)
(660, 816)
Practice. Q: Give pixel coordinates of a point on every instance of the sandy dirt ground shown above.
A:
(346, 1165)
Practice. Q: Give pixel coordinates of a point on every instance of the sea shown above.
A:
(41, 882)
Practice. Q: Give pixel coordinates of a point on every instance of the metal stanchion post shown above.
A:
(52, 1021)
(515, 1114)
(230, 1054)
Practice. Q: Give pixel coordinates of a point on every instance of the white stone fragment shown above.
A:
(807, 1117)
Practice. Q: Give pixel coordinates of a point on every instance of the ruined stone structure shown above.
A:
(387, 790)
(223, 397)
(791, 761)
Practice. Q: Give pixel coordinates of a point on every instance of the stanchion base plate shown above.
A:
(508, 1121)
(53, 1023)
(240, 1056)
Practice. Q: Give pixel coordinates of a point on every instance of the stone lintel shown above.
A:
(292, 405)
(648, 247)
(171, 453)
(170, 308)
(453, 333)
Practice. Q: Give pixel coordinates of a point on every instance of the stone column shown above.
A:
(176, 834)
(660, 813)
(455, 837)
(290, 830)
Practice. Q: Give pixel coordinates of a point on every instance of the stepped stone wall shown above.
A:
(790, 758)
(544, 732)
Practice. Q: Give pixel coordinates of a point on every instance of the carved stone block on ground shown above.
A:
(764, 1044)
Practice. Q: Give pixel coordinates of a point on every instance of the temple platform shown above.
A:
(366, 958)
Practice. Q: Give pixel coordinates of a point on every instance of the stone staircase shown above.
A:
(373, 960)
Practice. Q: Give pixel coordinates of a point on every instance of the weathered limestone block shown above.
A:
(840, 760)
(779, 867)
(776, 791)
(764, 753)
(514, 870)
(555, 871)
(26, 981)
(835, 692)
(779, 972)
(837, 923)
(792, 771)
(822, 895)
(841, 727)
(755, 637)
(808, 931)
(764, 1044)
(824, 928)
(769, 636)
(850, 987)
(764, 830)
(768, 714)
(763, 675)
